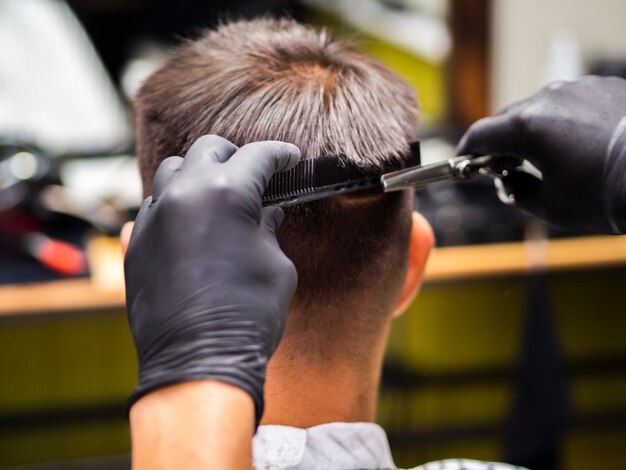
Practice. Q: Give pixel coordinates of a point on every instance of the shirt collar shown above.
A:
(332, 445)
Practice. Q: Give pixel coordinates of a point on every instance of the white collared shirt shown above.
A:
(337, 446)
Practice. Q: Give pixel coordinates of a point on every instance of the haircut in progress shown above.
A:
(278, 80)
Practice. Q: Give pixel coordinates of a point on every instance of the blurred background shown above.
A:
(515, 350)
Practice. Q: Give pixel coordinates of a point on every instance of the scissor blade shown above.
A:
(419, 177)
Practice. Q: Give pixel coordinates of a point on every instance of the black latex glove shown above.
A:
(207, 286)
(575, 134)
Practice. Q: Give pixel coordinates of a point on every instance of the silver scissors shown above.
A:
(460, 168)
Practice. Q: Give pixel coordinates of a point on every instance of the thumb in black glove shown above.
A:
(207, 286)
(575, 134)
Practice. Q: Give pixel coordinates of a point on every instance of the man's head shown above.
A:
(278, 80)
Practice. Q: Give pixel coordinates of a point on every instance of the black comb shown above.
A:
(327, 176)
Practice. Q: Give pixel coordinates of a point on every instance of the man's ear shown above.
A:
(125, 234)
(422, 241)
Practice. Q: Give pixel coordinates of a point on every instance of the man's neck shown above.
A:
(301, 391)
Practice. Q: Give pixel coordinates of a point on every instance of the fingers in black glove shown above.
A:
(528, 191)
(208, 288)
(565, 131)
(166, 171)
(271, 219)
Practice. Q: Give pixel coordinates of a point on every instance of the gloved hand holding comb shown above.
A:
(207, 286)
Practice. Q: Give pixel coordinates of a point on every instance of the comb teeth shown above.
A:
(295, 182)
(316, 179)
(326, 176)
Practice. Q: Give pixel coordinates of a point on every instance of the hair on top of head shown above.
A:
(277, 79)
(271, 79)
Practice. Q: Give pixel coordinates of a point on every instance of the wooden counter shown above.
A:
(445, 264)
(515, 258)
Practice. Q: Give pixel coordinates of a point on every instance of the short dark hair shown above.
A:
(279, 80)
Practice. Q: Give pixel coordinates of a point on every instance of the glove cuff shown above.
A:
(246, 373)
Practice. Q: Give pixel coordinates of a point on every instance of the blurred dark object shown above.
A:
(469, 69)
(469, 212)
(24, 170)
(541, 411)
(116, 26)
(33, 244)
(41, 228)
(608, 67)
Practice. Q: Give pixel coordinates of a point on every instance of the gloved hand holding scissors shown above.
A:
(575, 134)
